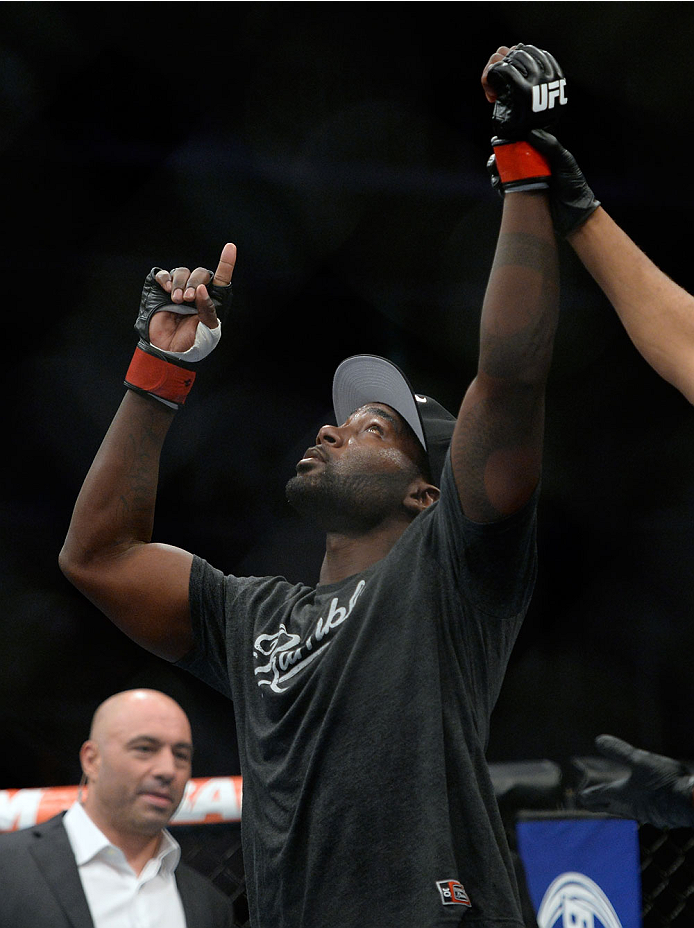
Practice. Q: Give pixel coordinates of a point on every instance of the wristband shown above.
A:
(152, 375)
(520, 166)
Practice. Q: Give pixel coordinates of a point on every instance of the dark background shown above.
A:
(342, 146)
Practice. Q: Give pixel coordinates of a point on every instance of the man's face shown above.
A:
(139, 764)
(358, 473)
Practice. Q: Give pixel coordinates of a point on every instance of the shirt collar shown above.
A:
(88, 840)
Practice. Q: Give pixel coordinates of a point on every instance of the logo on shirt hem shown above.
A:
(453, 893)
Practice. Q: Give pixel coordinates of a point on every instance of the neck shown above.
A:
(346, 555)
(137, 848)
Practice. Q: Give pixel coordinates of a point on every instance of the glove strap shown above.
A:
(166, 382)
(520, 166)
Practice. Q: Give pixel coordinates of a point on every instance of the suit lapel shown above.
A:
(191, 900)
(53, 855)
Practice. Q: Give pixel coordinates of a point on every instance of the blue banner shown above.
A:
(582, 872)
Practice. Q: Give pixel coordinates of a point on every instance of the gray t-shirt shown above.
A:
(362, 711)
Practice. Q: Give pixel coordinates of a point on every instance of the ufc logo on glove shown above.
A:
(546, 95)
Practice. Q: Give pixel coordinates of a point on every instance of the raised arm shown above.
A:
(496, 450)
(497, 444)
(108, 553)
(657, 313)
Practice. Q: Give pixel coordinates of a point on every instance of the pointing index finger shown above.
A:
(225, 268)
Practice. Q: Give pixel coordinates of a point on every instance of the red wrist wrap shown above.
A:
(520, 161)
(154, 375)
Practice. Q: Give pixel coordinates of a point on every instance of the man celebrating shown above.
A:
(108, 861)
(363, 702)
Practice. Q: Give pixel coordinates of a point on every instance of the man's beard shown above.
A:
(348, 504)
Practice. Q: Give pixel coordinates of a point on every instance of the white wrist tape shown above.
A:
(206, 340)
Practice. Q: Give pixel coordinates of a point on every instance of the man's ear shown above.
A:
(420, 495)
(89, 758)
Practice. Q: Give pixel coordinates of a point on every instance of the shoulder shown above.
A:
(25, 853)
(12, 841)
(214, 593)
(203, 574)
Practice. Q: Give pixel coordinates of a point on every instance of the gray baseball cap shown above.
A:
(368, 378)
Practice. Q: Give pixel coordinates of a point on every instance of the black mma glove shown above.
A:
(657, 791)
(529, 85)
(168, 375)
(570, 198)
(530, 89)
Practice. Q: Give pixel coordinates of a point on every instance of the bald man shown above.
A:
(109, 861)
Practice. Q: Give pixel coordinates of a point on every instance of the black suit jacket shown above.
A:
(40, 885)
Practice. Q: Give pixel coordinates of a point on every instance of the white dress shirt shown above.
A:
(117, 896)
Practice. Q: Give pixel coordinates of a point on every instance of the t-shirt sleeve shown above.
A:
(208, 658)
(496, 562)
